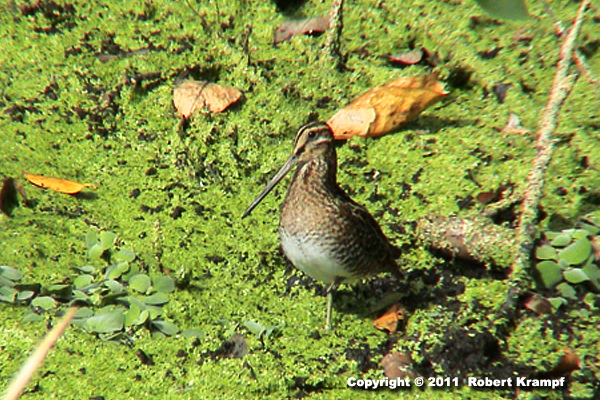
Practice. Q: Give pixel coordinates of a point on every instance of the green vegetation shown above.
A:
(568, 261)
(87, 96)
(112, 300)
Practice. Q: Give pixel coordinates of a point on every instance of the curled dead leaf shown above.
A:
(568, 363)
(407, 57)
(389, 320)
(58, 184)
(385, 108)
(538, 304)
(291, 28)
(398, 365)
(190, 95)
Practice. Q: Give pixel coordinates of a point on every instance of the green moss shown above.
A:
(106, 120)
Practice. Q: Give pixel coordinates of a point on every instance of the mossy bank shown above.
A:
(87, 95)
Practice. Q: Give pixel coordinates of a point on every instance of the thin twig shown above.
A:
(37, 357)
(334, 34)
(585, 69)
(561, 87)
(582, 66)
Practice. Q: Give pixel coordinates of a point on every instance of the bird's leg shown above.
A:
(330, 290)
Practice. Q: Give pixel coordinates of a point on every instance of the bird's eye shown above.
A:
(312, 134)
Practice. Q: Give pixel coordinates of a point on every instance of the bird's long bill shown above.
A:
(278, 176)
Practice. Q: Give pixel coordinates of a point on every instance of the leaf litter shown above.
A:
(385, 108)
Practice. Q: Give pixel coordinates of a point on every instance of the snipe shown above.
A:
(323, 232)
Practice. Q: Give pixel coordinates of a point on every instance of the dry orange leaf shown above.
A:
(58, 184)
(384, 108)
(190, 95)
(389, 320)
(568, 363)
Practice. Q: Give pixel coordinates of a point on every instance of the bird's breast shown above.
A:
(313, 256)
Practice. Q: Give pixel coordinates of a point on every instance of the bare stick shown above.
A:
(37, 357)
(561, 87)
(334, 34)
(580, 62)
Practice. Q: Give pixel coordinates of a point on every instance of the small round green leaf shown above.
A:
(166, 327)
(593, 272)
(550, 273)
(83, 312)
(123, 266)
(566, 291)
(557, 302)
(25, 295)
(43, 302)
(580, 234)
(577, 252)
(156, 299)
(106, 322)
(95, 251)
(133, 270)
(134, 302)
(125, 255)
(592, 229)
(563, 239)
(575, 275)
(30, 316)
(6, 282)
(107, 239)
(545, 252)
(91, 238)
(116, 270)
(154, 311)
(114, 286)
(140, 283)
(163, 283)
(132, 316)
(10, 273)
(7, 294)
(86, 269)
(83, 280)
(254, 327)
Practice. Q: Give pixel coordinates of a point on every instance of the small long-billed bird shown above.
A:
(323, 232)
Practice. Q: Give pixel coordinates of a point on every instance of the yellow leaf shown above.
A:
(57, 184)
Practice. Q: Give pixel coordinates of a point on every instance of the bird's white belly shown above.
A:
(313, 259)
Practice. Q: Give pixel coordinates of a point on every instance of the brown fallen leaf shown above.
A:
(389, 320)
(398, 365)
(568, 363)
(493, 195)
(385, 108)
(58, 184)
(538, 304)
(291, 28)
(190, 95)
(501, 90)
(407, 57)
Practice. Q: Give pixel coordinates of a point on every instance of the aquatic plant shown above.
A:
(115, 299)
